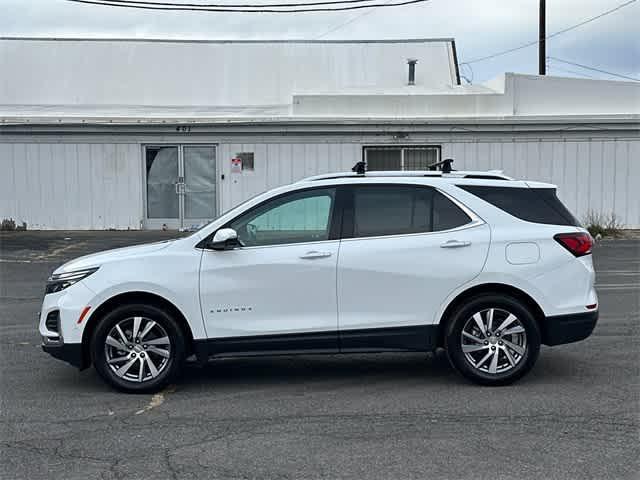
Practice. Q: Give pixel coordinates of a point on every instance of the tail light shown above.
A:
(577, 243)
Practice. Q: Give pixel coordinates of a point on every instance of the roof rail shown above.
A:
(444, 165)
(481, 175)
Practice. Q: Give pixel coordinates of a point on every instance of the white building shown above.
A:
(98, 134)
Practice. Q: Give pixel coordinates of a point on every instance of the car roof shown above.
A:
(488, 174)
(457, 177)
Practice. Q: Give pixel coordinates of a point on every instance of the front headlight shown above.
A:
(59, 281)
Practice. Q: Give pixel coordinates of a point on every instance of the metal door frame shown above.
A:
(176, 223)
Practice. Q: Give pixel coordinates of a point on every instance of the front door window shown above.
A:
(295, 218)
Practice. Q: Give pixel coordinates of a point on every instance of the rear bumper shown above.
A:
(561, 329)
(67, 352)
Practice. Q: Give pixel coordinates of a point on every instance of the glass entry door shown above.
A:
(163, 173)
(180, 185)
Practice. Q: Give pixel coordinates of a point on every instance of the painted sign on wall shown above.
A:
(236, 165)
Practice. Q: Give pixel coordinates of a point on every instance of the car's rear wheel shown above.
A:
(492, 339)
(138, 348)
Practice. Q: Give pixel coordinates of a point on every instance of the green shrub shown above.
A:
(602, 225)
(8, 224)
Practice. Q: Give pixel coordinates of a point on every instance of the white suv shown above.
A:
(482, 265)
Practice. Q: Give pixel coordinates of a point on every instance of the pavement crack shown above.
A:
(55, 451)
(170, 467)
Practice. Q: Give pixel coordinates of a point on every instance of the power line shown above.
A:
(575, 72)
(468, 78)
(595, 69)
(555, 34)
(348, 22)
(201, 6)
(261, 10)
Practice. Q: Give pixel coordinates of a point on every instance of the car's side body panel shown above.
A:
(270, 290)
(171, 272)
(418, 338)
(400, 280)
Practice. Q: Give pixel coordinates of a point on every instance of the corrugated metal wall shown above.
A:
(592, 175)
(279, 164)
(98, 186)
(71, 186)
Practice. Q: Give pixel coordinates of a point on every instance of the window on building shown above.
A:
(401, 158)
(295, 218)
(395, 210)
(247, 160)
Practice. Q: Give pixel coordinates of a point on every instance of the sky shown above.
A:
(480, 28)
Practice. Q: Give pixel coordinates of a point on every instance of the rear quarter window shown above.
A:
(537, 205)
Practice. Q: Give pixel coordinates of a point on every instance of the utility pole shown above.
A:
(542, 47)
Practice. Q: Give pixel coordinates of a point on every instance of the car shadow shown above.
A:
(309, 369)
(431, 369)
(553, 367)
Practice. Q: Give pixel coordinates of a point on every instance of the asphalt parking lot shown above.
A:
(399, 416)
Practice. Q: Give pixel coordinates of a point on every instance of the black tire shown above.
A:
(454, 343)
(176, 348)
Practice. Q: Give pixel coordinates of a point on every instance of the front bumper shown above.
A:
(67, 352)
(69, 303)
(574, 327)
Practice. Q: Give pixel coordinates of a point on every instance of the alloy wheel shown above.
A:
(137, 349)
(494, 341)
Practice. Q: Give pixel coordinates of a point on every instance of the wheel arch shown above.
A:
(494, 288)
(129, 298)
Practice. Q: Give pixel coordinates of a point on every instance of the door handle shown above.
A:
(454, 244)
(315, 254)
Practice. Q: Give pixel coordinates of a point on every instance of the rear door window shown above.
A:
(537, 205)
(380, 210)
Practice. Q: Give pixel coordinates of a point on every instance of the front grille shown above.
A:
(53, 321)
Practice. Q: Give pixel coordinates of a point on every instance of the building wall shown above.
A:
(90, 72)
(278, 164)
(511, 94)
(79, 185)
(91, 186)
(591, 175)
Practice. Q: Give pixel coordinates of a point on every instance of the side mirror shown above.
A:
(225, 239)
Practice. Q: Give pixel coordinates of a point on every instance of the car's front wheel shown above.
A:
(492, 339)
(138, 348)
